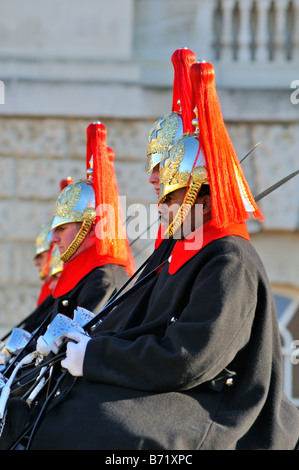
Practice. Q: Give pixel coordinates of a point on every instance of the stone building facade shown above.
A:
(64, 64)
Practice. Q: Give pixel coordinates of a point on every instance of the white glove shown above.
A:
(44, 348)
(55, 334)
(75, 352)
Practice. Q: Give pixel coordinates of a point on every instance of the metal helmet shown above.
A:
(207, 157)
(177, 166)
(178, 169)
(56, 264)
(183, 166)
(163, 132)
(43, 244)
(76, 203)
(43, 239)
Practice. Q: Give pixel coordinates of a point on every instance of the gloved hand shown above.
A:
(75, 352)
(56, 334)
(44, 348)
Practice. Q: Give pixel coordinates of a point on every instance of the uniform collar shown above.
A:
(185, 249)
(77, 268)
(45, 291)
(160, 237)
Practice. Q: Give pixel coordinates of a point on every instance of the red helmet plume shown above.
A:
(228, 186)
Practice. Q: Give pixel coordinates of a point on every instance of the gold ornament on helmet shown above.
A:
(43, 243)
(163, 132)
(56, 264)
(76, 203)
(43, 239)
(183, 166)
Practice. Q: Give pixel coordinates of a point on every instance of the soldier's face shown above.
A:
(154, 179)
(64, 235)
(199, 213)
(40, 260)
(170, 206)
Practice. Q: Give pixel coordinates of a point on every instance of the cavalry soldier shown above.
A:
(164, 132)
(94, 268)
(43, 249)
(43, 246)
(96, 262)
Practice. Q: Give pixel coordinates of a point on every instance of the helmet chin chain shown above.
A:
(184, 209)
(42, 274)
(89, 218)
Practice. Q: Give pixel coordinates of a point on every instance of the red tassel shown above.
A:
(182, 59)
(88, 148)
(65, 182)
(222, 162)
(111, 238)
(110, 154)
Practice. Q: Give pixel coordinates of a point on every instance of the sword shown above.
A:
(250, 151)
(275, 186)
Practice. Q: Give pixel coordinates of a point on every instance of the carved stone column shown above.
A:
(244, 34)
(262, 30)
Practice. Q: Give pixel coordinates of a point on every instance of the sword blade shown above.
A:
(275, 186)
(250, 151)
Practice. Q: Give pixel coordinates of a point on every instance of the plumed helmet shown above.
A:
(56, 264)
(171, 126)
(78, 203)
(75, 203)
(43, 239)
(163, 132)
(207, 157)
(183, 166)
(184, 163)
(43, 244)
